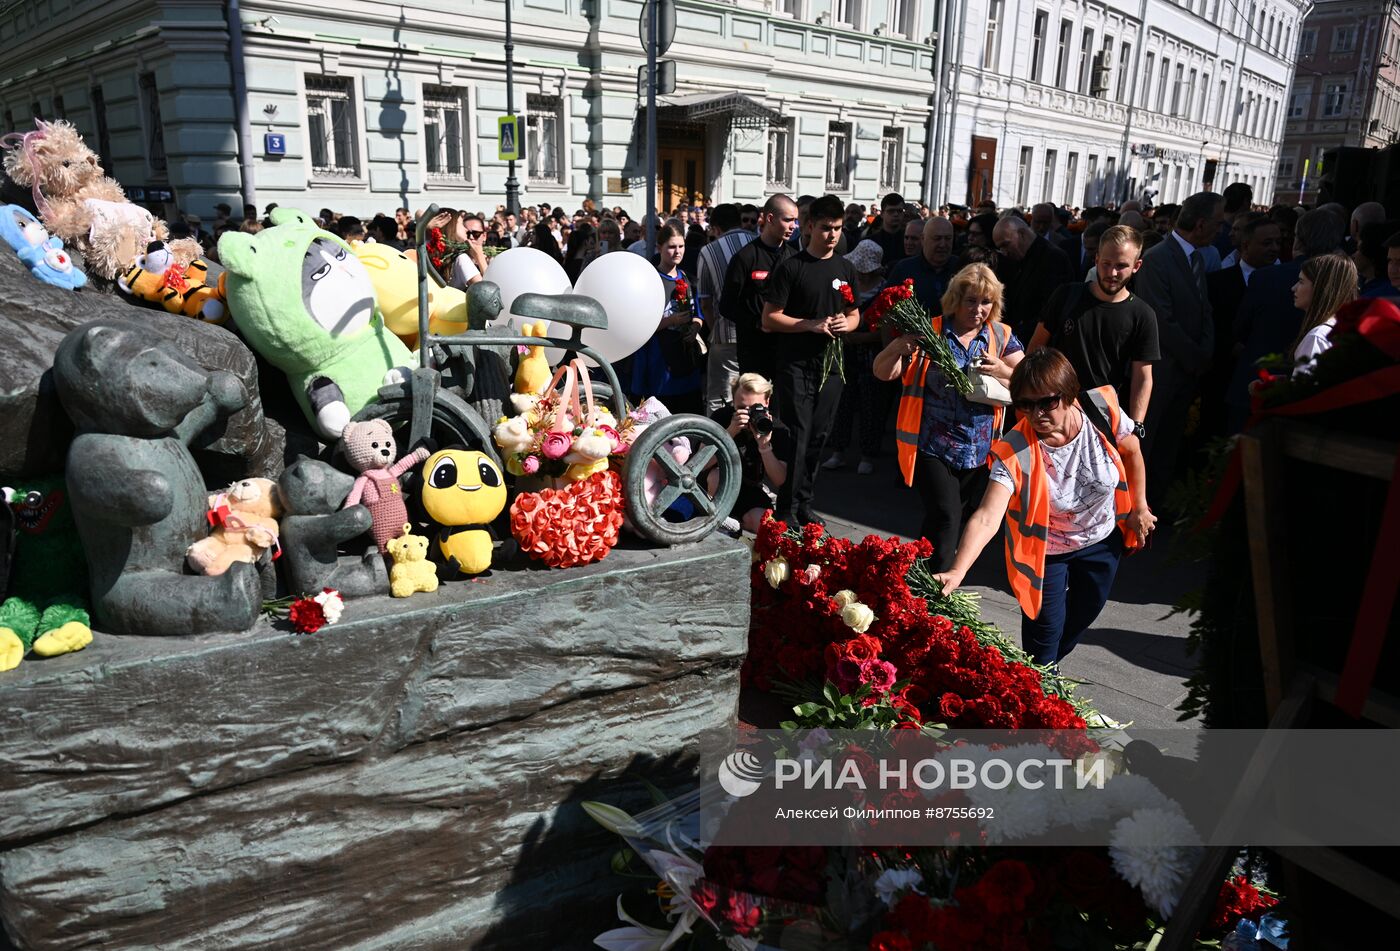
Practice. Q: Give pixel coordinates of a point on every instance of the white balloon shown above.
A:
(523, 271)
(633, 296)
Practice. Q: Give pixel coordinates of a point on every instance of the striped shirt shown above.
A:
(709, 279)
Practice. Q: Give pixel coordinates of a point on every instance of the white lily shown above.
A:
(639, 937)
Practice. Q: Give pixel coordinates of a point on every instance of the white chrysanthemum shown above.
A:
(1155, 850)
(776, 571)
(894, 881)
(857, 616)
(1019, 812)
(1127, 794)
(332, 604)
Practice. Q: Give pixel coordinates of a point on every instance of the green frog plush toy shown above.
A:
(302, 299)
(46, 610)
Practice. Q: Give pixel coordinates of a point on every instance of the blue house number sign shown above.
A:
(275, 143)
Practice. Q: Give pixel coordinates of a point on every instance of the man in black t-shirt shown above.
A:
(890, 234)
(741, 294)
(762, 449)
(1108, 333)
(810, 300)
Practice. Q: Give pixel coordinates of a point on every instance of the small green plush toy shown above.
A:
(303, 300)
(47, 609)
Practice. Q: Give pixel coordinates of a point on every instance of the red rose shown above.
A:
(307, 616)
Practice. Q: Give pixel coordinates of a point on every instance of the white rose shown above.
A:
(514, 435)
(845, 597)
(332, 604)
(857, 617)
(776, 571)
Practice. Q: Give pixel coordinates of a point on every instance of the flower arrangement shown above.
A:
(575, 525)
(897, 308)
(308, 614)
(681, 292)
(546, 439)
(867, 617)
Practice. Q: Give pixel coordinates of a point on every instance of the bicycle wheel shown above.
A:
(710, 444)
(453, 421)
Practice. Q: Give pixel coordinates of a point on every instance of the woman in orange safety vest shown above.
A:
(1070, 483)
(942, 438)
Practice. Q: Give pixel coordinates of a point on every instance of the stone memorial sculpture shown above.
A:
(138, 498)
(313, 528)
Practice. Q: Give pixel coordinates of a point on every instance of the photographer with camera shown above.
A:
(763, 444)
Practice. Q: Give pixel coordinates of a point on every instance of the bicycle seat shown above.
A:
(572, 309)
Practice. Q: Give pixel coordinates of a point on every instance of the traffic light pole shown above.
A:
(652, 28)
(512, 184)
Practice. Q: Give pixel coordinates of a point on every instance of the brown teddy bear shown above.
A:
(79, 204)
(245, 526)
(369, 447)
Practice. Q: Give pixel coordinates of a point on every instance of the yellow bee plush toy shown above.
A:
(463, 491)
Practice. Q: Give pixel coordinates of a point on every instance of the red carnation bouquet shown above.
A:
(897, 308)
(682, 290)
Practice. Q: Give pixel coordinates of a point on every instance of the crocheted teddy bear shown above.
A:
(79, 204)
(245, 526)
(412, 570)
(370, 448)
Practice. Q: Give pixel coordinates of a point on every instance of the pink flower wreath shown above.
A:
(575, 525)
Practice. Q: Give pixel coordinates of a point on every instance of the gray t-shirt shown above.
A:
(1081, 476)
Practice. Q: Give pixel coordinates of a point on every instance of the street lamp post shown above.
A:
(512, 184)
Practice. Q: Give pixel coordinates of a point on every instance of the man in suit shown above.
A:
(1267, 321)
(1173, 282)
(1258, 244)
(1033, 268)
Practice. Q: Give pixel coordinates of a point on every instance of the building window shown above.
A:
(1125, 59)
(1146, 100)
(792, 8)
(542, 125)
(155, 129)
(991, 44)
(1307, 42)
(906, 17)
(1298, 103)
(1091, 187)
(1162, 79)
(1176, 90)
(847, 13)
(1023, 181)
(1110, 186)
(891, 158)
(330, 125)
(444, 129)
(60, 111)
(1042, 23)
(1220, 105)
(1203, 106)
(838, 157)
(1062, 57)
(780, 155)
(1334, 97)
(104, 137)
(1086, 58)
(1344, 39)
(1047, 184)
(1189, 95)
(1071, 173)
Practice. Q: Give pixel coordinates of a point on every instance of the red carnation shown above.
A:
(846, 293)
(307, 616)
(1239, 899)
(890, 941)
(682, 289)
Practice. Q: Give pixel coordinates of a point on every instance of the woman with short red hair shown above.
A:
(1069, 481)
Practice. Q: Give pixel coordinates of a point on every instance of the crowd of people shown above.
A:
(1106, 327)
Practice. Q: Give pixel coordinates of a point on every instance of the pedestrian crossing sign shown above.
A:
(509, 131)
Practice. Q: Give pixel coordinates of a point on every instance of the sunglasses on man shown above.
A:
(1043, 405)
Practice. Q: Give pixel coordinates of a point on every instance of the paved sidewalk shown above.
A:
(1132, 662)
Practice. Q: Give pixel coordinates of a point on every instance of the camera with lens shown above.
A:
(759, 419)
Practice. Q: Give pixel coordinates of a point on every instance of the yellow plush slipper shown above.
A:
(11, 649)
(73, 636)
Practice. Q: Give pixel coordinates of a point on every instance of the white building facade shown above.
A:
(1082, 102)
(366, 105)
